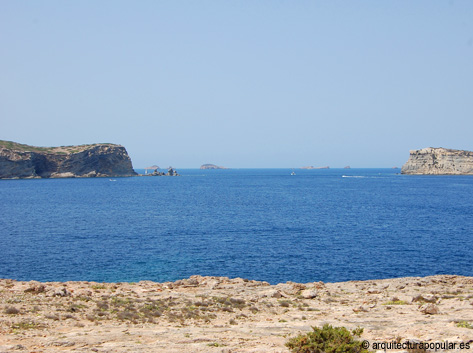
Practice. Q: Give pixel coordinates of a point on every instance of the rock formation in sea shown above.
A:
(440, 161)
(211, 166)
(312, 167)
(96, 160)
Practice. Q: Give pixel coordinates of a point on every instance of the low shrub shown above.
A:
(396, 302)
(464, 324)
(327, 339)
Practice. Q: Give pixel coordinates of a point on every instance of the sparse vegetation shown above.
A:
(215, 344)
(464, 324)
(55, 150)
(25, 325)
(36, 289)
(285, 303)
(33, 310)
(396, 302)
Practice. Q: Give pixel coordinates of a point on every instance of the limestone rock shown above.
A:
(428, 298)
(438, 161)
(309, 293)
(62, 292)
(429, 309)
(236, 316)
(97, 160)
(172, 172)
(272, 293)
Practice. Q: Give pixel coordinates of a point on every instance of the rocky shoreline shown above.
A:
(218, 314)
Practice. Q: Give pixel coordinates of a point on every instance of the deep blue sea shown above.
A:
(264, 224)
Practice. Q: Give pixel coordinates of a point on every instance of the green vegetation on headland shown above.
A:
(15, 146)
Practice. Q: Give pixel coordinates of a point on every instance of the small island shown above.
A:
(439, 161)
(211, 166)
(312, 167)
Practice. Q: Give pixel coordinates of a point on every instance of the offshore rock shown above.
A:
(440, 161)
(172, 172)
(97, 160)
(312, 167)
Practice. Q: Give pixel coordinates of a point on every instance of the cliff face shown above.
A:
(438, 161)
(98, 160)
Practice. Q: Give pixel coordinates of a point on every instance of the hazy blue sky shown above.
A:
(240, 83)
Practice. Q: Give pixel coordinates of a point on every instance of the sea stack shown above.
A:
(95, 160)
(439, 161)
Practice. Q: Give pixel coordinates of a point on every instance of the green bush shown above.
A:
(327, 339)
(464, 324)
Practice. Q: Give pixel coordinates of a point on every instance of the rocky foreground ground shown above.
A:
(217, 314)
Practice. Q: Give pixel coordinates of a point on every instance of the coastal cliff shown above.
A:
(439, 161)
(96, 160)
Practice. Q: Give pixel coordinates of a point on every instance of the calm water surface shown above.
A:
(264, 224)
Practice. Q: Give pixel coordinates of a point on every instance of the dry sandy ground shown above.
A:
(217, 314)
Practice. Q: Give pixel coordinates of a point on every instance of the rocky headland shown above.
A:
(211, 166)
(95, 160)
(219, 314)
(440, 161)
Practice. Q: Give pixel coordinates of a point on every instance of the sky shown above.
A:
(242, 84)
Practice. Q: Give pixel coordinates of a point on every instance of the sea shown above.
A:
(326, 225)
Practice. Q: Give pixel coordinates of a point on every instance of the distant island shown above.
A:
(211, 166)
(312, 167)
(94, 160)
(439, 161)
